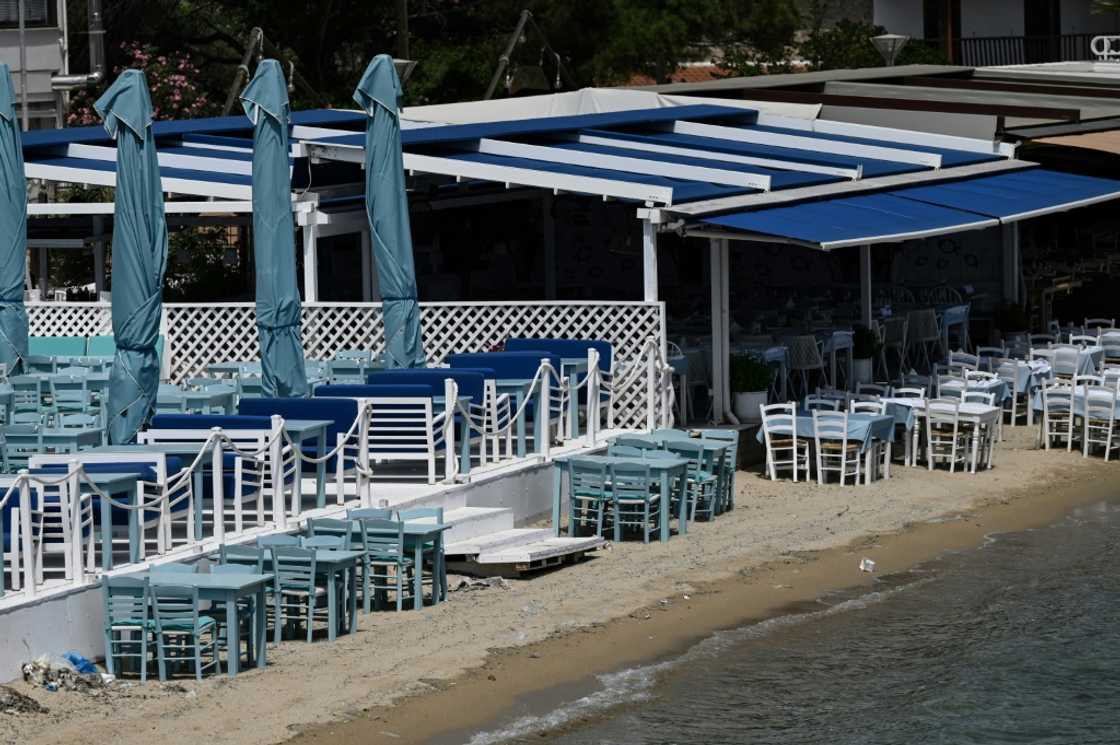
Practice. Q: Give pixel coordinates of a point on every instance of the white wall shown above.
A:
(992, 18)
(900, 17)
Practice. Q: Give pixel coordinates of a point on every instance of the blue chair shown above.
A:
(246, 558)
(435, 564)
(337, 530)
(277, 539)
(386, 566)
(588, 494)
(183, 633)
(635, 500)
(127, 625)
(375, 513)
(297, 594)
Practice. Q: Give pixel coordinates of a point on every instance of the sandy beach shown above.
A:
(408, 677)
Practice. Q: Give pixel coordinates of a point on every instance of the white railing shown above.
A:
(199, 334)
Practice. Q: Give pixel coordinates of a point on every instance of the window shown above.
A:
(942, 19)
(36, 13)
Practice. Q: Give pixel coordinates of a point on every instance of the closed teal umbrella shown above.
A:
(13, 231)
(266, 103)
(139, 255)
(379, 94)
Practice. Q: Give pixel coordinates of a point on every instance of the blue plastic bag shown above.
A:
(80, 663)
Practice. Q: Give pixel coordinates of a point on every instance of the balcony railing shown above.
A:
(982, 51)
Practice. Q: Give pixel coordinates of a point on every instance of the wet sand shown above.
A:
(415, 678)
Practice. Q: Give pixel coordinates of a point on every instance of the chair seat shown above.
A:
(839, 446)
(319, 592)
(185, 625)
(652, 500)
(390, 559)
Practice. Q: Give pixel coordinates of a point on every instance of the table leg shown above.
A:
(233, 635)
(332, 603)
(106, 535)
(682, 517)
(975, 444)
(135, 523)
(442, 568)
(666, 498)
(260, 625)
(320, 469)
(418, 575)
(352, 597)
(867, 463)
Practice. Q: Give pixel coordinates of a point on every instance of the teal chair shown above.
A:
(634, 500)
(56, 346)
(70, 395)
(386, 566)
(730, 463)
(244, 615)
(297, 596)
(183, 633)
(435, 564)
(128, 627)
(702, 485)
(277, 539)
(588, 494)
(319, 527)
(26, 393)
(246, 558)
(174, 568)
(373, 513)
(637, 442)
(625, 451)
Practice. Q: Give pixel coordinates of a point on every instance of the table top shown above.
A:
(54, 432)
(970, 408)
(229, 581)
(416, 527)
(325, 555)
(608, 460)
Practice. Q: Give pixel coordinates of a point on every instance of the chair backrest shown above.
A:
(27, 417)
(277, 539)
(804, 353)
(1041, 340)
(915, 380)
(692, 451)
(421, 513)
(1066, 360)
(173, 606)
(294, 568)
(1111, 376)
(174, 568)
(587, 478)
(874, 389)
(943, 411)
(972, 361)
(631, 481)
(1057, 398)
(369, 513)
(322, 527)
(635, 441)
(987, 354)
(909, 392)
(470, 383)
(894, 331)
(326, 542)
(125, 600)
(624, 451)
(950, 385)
(78, 421)
(1084, 340)
(1100, 404)
(779, 419)
(830, 425)
(245, 557)
(978, 397)
(1100, 323)
(382, 537)
(868, 407)
(819, 403)
(76, 371)
(1089, 381)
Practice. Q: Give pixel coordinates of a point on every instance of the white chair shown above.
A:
(978, 397)
(970, 361)
(909, 392)
(876, 408)
(783, 447)
(1008, 372)
(820, 403)
(946, 440)
(1057, 415)
(1066, 362)
(1100, 425)
(1088, 381)
(401, 429)
(1083, 340)
(804, 358)
(986, 356)
(1111, 376)
(882, 450)
(1100, 324)
(922, 333)
(834, 451)
(873, 389)
(894, 339)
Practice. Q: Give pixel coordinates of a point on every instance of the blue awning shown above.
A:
(1017, 195)
(922, 211)
(850, 221)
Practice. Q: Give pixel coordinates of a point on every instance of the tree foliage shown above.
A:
(847, 45)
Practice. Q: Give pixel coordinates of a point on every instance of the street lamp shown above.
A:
(889, 45)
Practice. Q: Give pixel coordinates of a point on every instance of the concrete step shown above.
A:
(548, 548)
(502, 540)
(471, 522)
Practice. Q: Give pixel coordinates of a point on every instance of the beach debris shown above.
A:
(71, 672)
(866, 565)
(14, 702)
(469, 584)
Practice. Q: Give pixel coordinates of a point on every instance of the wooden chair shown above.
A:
(779, 431)
(835, 452)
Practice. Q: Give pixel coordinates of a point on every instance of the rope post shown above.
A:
(26, 547)
(544, 415)
(279, 511)
(74, 503)
(450, 404)
(217, 463)
(592, 395)
(666, 396)
(365, 498)
(651, 384)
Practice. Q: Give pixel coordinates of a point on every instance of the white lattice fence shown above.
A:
(200, 334)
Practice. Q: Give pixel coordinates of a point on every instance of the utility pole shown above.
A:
(402, 30)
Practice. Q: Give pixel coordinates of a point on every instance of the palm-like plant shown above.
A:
(1106, 6)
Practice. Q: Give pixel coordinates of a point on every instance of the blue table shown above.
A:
(667, 470)
(862, 428)
(227, 589)
(714, 451)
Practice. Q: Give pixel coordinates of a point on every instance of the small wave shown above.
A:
(636, 684)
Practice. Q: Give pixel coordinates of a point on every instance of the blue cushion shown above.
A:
(412, 390)
(57, 346)
(340, 411)
(209, 421)
(470, 382)
(566, 348)
(522, 365)
(146, 471)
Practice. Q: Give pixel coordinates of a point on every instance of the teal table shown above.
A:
(667, 469)
(416, 534)
(218, 399)
(714, 452)
(336, 567)
(227, 589)
(54, 439)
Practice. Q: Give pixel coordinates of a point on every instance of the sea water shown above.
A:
(1017, 641)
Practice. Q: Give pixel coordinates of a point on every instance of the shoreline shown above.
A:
(549, 671)
(439, 675)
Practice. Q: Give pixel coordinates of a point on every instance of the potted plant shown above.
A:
(750, 381)
(865, 346)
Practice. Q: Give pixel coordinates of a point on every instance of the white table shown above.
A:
(980, 415)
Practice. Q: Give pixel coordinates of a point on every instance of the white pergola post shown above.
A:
(649, 261)
(310, 262)
(721, 325)
(1012, 259)
(865, 285)
(43, 273)
(367, 266)
(548, 241)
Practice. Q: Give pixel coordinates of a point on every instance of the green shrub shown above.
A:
(748, 374)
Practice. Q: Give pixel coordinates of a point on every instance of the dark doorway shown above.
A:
(1042, 26)
(941, 22)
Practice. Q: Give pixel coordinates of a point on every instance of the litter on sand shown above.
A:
(866, 565)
